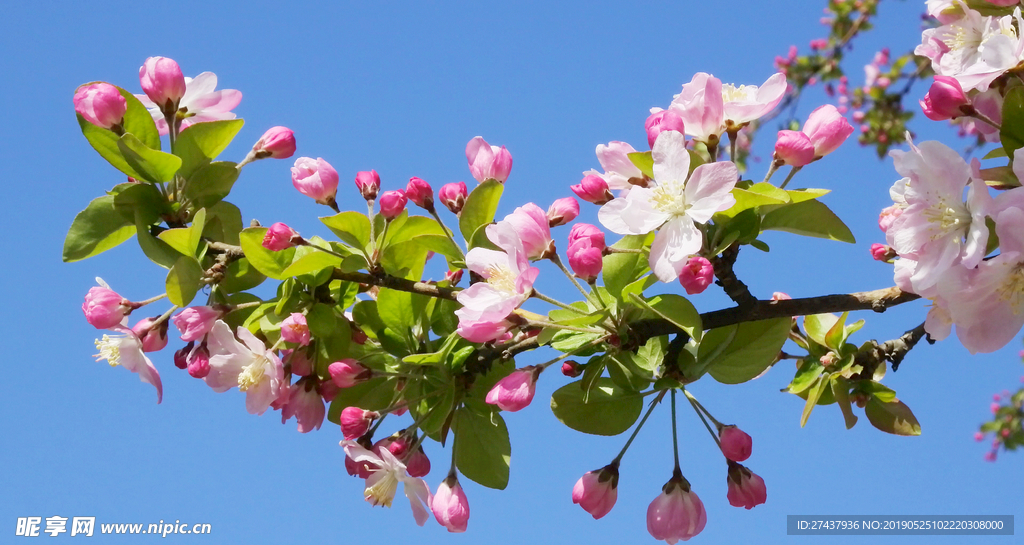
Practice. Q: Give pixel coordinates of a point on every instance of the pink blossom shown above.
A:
(368, 183)
(306, 405)
(124, 348)
(673, 206)
(944, 99)
(392, 203)
(736, 444)
(199, 103)
(990, 456)
(978, 436)
(586, 251)
(386, 472)
(487, 162)
(746, 488)
(880, 252)
(530, 223)
(450, 506)
(747, 103)
(195, 322)
(677, 513)
(592, 189)
(277, 142)
(100, 104)
(199, 362)
(162, 82)
(974, 49)
(562, 211)
(696, 275)
(827, 130)
(347, 373)
(453, 196)
(482, 331)
(245, 363)
(989, 104)
(420, 193)
(889, 215)
(298, 362)
(664, 120)
(780, 296)
(295, 330)
(515, 391)
(316, 179)
(596, 491)
(619, 171)
(701, 107)
(104, 308)
(153, 339)
(355, 421)
(279, 237)
(571, 369)
(794, 148)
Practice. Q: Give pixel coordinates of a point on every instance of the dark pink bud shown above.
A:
(978, 436)
(596, 491)
(100, 104)
(153, 339)
(571, 369)
(420, 193)
(586, 251)
(515, 391)
(392, 203)
(163, 82)
(195, 322)
(658, 122)
(453, 196)
(563, 211)
(104, 308)
(696, 275)
(347, 372)
(944, 99)
(277, 142)
(453, 277)
(199, 363)
(368, 183)
(882, 252)
(794, 148)
(181, 356)
(746, 488)
(736, 444)
(279, 237)
(827, 129)
(418, 464)
(355, 421)
(593, 189)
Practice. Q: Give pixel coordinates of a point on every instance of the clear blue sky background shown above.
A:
(401, 87)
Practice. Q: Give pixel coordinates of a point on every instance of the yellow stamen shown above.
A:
(252, 374)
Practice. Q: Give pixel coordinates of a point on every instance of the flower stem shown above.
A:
(447, 232)
(636, 430)
(325, 250)
(702, 408)
(772, 167)
(986, 119)
(369, 214)
(675, 438)
(570, 354)
(380, 420)
(790, 177)
(557, 303)
(694, 404)
(148, 301)
(733, 137)
(557, 261)
(533, 323)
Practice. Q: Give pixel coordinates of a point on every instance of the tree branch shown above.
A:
(734, 288)
(893, 350)
(400, 284)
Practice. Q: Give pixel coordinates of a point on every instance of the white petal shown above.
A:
(671, 159)
(674, 243)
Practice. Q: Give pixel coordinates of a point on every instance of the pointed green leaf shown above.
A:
(351, 227)
(751, 350)
(1012, 133)
(621, 269)
(209, 184)
(809, 218)
(609, 410)
(643, 160)
(893, 417)
(141, 198)
(137, 121)
(813, 395)
(96, 229)
(152, 165)
(480, 207)
(201, 143)
(483, 451)
(183, 281)
(266, 261)
(841, 391)
(676, 309)
(156, 250)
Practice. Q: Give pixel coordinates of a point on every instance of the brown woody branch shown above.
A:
(893, 350)
(395, 283)
(726, 278)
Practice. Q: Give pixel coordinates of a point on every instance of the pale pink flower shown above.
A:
(392, 203)
(125, 349)
(530, 223)
(989, 104)
(827, 129)
(277, 142)
(450, 506)
(298, 362)
(736, 444)
(100, 104)
(386, 472)
(316, 179)
(664, 120)
(889, 215)
(562, 211)
(420, 193)
(696, 275)
(974, 49)
(945, 11)
(482, 331)
(593, 189)
(746, 488)
(453, 196)
(246, 364)
(162, 81)
(619, 172)
(515, 391)
(368, 183)
(487, 162)
(199, 103)
(794, 148)
(944, 99)
(153, 338)
(673, 206)
(347, 373)
(596, 491)
(104, 308)
(355, 421)
(195, 322)
(294, 329)
(306, 405)
(708, 108)
(677, 513)
(747, 103)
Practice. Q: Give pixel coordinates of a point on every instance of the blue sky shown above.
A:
(401, 88)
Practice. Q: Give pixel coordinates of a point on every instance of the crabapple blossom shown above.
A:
(195, 322)
(673, 206)
(298, 362)
(420, 193)
(199, 362)
(386, 472)
(277, 142)
(124, 348)
(794, 148)
(736, 444)
(944, 100)
(677, 513)
(597, 490)
(100, 104)
(889, 215)
(316, 179)
(306, 405)
(974, 49)
(200, 102)
(593, 189)
(708, 108)
(530, 223)
(453, 196)
(154, 339)
(246, 363)
(368, 183)
(163, 82)
(586, 250)
(746, 488)
(295, 330)
(487, 162)
(562, 211)
(392, 203)
(279, 237)
(664, 120)
(104, 308)
(347, 372)
(827, 130)
(696, 275)
(620, 174)
(515, 391)
(355, 421)
(450, 506)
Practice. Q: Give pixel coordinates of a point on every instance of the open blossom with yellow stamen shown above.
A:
(247, 364)
(974, 49)
(386, 472)
(125, 349)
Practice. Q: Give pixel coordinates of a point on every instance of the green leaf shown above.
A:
(396, 310)
(1012, 133)
(156, 250)
(223, 223)
(373, 395)
(836, 335)
(152, 165)
(621, 269)
(351, 227)
(841, 391)
(482, 448)
(813, 395)
(321, 320)
(751, 198)
(808, 373)
(995, 153)
(201, 143)
(308, 259)
(405, 259)
(241, 276)
(801, 195)
(676, 309)
(480, 207)
(209, 184)
(95, 230)
(572, 341)
(609, 410)
(809, 218)
(745, 354)
(818, 325)
(643, 160)
(183, 280)
(186, 239)
(137, 121)
(145, 199)
(266, 261)
(893, 417)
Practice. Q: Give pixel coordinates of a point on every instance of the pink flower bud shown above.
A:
(487, 162)
(418, 465)
(368, 183)
(195, 322)
(181, 355)
(420, 193)
(978, 436)
(347, 373)
(563, 211)
(780, 296)
(827, 129)
(315, 178)
(882, 252)
(990, 456)
(453, 277)
(515, 391)
(453, 196)
(392, 203)
(736, 444)
(944, 99)
(677, 513)
(658, 122)
(746, 488)
(153, 339)
(355, 421)
(531, 224)
(199, 362)
(571, 369)
(279, 237)
(277, 142)
(596, 491)
(328, 390)
(100, 104)
(794, 148)
(696, 275)
(1005, 433)
(163, 82)
(299, 362)
(450, 506)
(593, 189)
(104, 308)
(586, 251)
(295, 330)
(995, 408)
(1003, 3)
(889, 215)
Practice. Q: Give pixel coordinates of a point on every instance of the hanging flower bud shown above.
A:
(453, 196)
(677, 513)
(100, 104)
(736, 444)
(515, 391)
(104, 308)
(487, 162)
(418, 465)
(163, 82)
(153, 339)
(368, 183)
(827, 129)
(347, 373)
(392, 203)
(696, 275)
(664, 120)
(450, 506)
(420, 193)
(280, 237)
(199, 362)
(316, 179)
(596, 491)
(571, 368)
(563, 211)
(277, 142)
(945, 99)
(295, 330)
(181, 355)
(593, 189)
(746, 488)
(355, 421)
